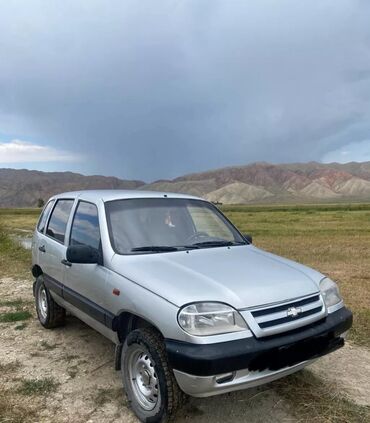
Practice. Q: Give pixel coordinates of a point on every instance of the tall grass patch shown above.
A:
(15, 261)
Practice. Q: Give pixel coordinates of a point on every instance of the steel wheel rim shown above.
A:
(43, 303)
(143, 378)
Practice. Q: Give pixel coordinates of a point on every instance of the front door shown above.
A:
(85, 283)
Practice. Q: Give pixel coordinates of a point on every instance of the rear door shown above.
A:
(38, 242)
(85, 283)
(54, 249)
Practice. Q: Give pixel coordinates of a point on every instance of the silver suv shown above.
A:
(192, 306)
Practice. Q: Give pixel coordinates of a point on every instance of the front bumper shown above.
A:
(206, 386)
(203, 370)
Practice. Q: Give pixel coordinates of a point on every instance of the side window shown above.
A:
(44, 216)
(58, 220)
(85, 226)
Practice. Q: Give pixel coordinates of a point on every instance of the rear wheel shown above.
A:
(49, 313)
(150, 385)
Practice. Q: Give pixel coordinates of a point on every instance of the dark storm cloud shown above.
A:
(157, 89)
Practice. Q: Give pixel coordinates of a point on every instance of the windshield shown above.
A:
(167, 224)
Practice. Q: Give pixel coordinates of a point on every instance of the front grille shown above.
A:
(290, 315)
(278, 315)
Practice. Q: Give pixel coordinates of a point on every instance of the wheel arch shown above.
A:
(36, 270)
(125, 322)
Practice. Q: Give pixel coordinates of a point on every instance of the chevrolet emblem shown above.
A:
(293, 311)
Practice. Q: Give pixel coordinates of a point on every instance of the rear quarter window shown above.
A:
(58, 221)
(44, 216)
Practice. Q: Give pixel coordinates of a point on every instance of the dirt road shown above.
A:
(81, 385)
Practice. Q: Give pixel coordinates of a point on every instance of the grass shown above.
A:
(315, 401)
(15, 261)
(70, 357)
(298, 208)
(21, 326)
(46, 346)
(15, 316)
(13, 410)
(18, 302)
(19, 220)
(9, 367)
(105, 395)
(37, 386)
(72, 371)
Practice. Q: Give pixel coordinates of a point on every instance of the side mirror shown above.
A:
(83, 254)
(248, 238)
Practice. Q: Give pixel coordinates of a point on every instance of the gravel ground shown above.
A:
(83, 386)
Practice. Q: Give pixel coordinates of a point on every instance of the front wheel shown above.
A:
(150, 385)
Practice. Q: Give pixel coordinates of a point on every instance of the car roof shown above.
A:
(119, 194)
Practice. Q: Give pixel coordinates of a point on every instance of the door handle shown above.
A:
(42, 248)
(66, 263)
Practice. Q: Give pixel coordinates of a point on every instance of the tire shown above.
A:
(148, 380)
(49, 313)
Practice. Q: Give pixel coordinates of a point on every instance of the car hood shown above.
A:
(241, 276)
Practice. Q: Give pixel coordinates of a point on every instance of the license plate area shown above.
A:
(291, 354)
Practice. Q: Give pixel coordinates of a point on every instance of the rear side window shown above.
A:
(44, 216)
(85, 226)
(58, 220)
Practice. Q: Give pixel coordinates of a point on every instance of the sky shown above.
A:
(157, 89)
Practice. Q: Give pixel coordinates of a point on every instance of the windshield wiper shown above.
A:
(220, 243)
(155, 248)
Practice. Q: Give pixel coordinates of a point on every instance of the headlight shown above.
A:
(330, 292)
(204, 319)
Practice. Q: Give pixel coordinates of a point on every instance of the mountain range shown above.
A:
(252, 183)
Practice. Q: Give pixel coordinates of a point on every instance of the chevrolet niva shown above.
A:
(192, 306)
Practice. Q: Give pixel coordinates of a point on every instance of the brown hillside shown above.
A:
(253, 183)
(22, 188)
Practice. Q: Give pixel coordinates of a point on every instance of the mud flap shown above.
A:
(117, 357)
